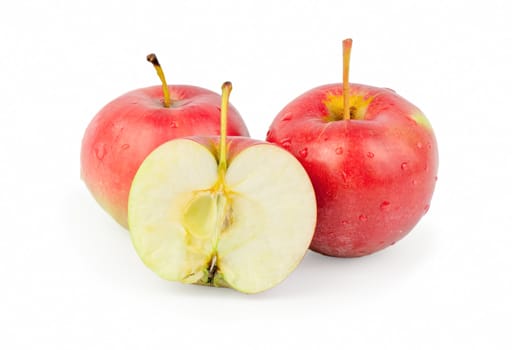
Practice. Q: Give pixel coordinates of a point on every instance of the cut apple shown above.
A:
(242, 219)
(248, 231)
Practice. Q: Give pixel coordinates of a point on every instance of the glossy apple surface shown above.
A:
(127, 129)
(374, 174)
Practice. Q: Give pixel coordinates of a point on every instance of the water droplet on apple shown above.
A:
(287, 117)
(339, 150)
(125, 147)
(286, 143)
(414, 182)
(370, 155)
(419, 145)
(384, 205)
(303, 152)
(363, 217)
(344, 222)
(100, 150)
(404, 166)
(173, 125)
(426, 208)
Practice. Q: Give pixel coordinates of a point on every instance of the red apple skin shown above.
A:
(128, 128)
(374, 176)
(234, 145)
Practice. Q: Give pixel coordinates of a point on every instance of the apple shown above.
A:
(224, 212)
(128, 128)
(372, 158)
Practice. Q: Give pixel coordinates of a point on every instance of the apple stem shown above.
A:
(165, 88)
(226, 90)
(347, 48)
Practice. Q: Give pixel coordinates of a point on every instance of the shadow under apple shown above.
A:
(321, 275)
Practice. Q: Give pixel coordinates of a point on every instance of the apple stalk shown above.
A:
(165, 88)
(347, 48)
(226, 91)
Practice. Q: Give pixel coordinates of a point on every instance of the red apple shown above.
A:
(373, 165)
(128, 128)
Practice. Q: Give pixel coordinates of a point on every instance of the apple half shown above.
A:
(229, 212)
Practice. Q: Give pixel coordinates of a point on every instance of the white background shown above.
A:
(69, 276)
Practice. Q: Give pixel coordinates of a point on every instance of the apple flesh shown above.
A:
(127, 129)
(247, 228)
(374, 174)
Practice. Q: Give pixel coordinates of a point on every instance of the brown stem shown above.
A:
(165, 88)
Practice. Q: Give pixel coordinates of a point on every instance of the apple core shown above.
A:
(206, 217)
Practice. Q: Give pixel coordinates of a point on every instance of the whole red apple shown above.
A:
(128, 128)
(373, 165)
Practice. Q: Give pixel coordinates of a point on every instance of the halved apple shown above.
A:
(222, 212)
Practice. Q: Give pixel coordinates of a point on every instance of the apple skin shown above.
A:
(128, 128)
(374, 176)
(235, 144)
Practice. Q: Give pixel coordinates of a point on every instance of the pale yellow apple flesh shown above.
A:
(247, 229)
